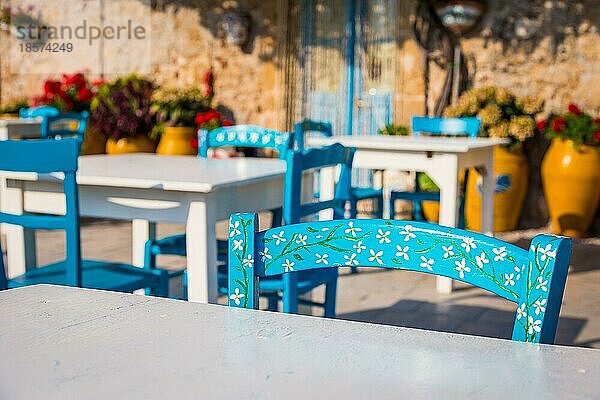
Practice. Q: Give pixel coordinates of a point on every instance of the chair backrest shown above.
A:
(42, 157)
(300, 161)
(533, 279)
(468, 126)
(244, 136)
(57, 124)
(306, 126)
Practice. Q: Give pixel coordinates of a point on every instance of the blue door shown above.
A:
(348, 63)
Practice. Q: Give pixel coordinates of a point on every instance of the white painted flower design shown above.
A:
(322, 230)
(351, 260)
(542, 284)
(279, 238)
(352, 229)
(408, 233)
(448, 251)
(288, 265)
(359, 247)
(301, 239)
(248, 261)
(383, 236)
(534, 326)
(461, 267)
(427, 263)
(547, 252)
(238, 244)
(540, 306)
(481, 260)
(234, 228)
(236, 296)
(521, 312)
(375, 256)
(500, 253)
(322, 258)
(468, 244)
(509, 279)
(402, 252)
(265, 254)
(518, 272)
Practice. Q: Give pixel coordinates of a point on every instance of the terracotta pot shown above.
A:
(512, 181)
(571, 179)
(93, 142)
(137, 144)
(177, 141)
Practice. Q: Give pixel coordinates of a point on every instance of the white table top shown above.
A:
(409, 143)
(61, 343)
(177, 173)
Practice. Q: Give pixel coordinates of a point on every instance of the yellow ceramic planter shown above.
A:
(137, 144)
(512, 179)
(571, 179)
(431, 211)
(93, 142)
(177, 141)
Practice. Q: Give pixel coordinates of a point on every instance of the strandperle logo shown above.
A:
(89, 33)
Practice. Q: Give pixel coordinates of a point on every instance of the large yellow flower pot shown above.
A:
(512, 179)
(571, 179)
(93, 142)
(177, 141)
(431, 211)
(137, 144)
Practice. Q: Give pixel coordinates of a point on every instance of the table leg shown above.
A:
(202, 253)
(447, 180)
(141, 231)
(487, 198)
(20, 242)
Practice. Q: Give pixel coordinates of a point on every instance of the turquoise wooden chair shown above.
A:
(50, 156)
(436, 126)
(238, 135)
(289, 286)
(57, 124)
(533, 279)
(357, 194)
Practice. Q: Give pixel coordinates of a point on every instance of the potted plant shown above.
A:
(503, 115)
(11, 111)
(209, 120)
(571, 170)
(175, 111)
(73, 93)
(121, 112)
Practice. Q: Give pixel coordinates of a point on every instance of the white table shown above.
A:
(440, 157)
(178, 189)
(68, 343)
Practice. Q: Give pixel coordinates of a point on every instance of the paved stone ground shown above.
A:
(396, 297)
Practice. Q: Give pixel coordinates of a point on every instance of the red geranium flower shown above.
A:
(541, 125)
(75, 79)
(84, 94)
(202, 118)
(558, 124)
(573, 109)
(98, 82)
(597, 120)
(194, 143)
(51, 88)
(597, 136)
(227, 123)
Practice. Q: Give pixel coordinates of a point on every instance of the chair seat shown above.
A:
(104, 275)
(415, 196)
(176, 245)
(363, 193)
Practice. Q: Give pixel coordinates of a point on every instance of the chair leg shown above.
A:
(353, 208)
(330, 294)
(162, 288)
(149, 260)
(289, 297)
(379, 205)
(392, 207)
(277, 215)
(273, 303)
(418, 211)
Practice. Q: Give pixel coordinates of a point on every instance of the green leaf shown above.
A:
(267, 240)
(298, 257)
(311, 230)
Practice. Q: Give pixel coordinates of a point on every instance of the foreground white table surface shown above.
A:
(67, 343)
(178, 189)
(442, 158)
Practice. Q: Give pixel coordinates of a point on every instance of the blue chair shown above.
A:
(57, 124)
(356, 193)
(292, 285)
(436, 126)
(533, 279)
(238, 135)
(49, 156)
